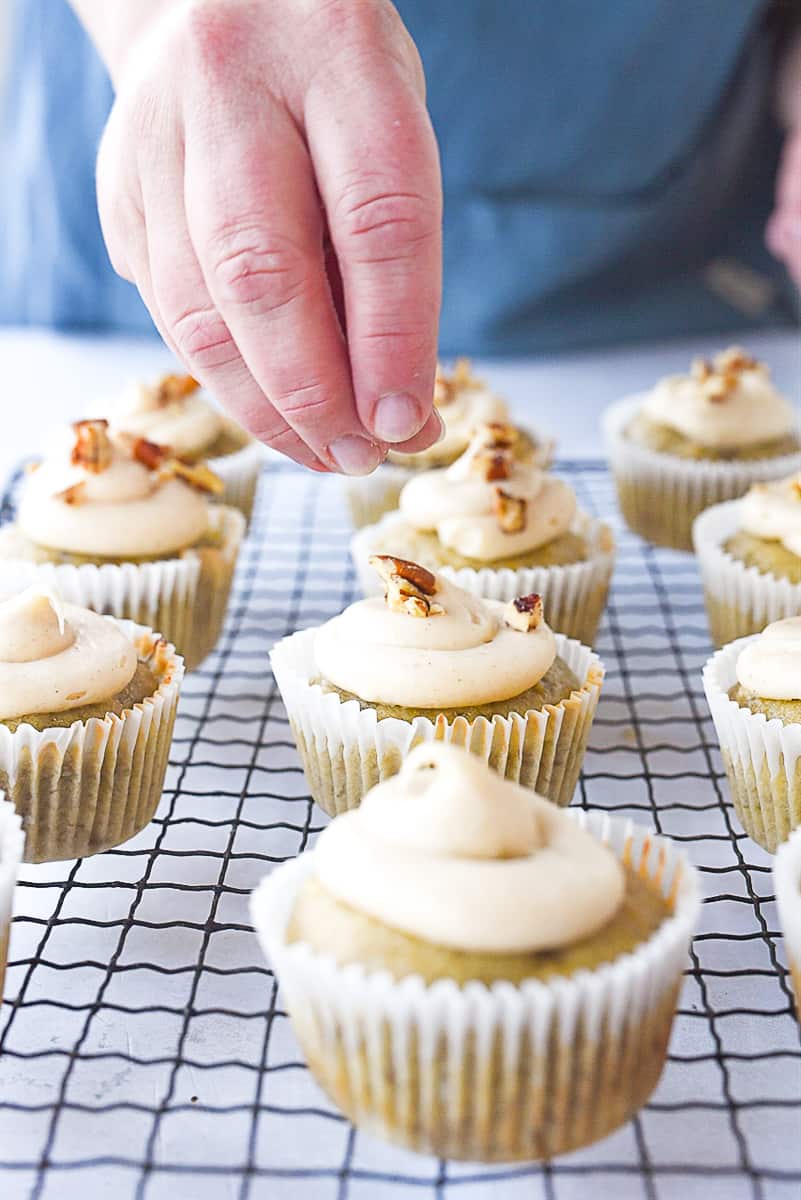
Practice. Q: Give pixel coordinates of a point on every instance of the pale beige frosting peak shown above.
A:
(188, 424)
(725, 404)
(450, 852)
(459, 506)
(463, 402)
(464, 655)
(770, 665)
(773, 511)
(122, 511)
(55, 657)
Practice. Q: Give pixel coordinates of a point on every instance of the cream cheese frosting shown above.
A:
(55, 657)
(770, 666)
(450, 852)
(460, 503)
(725, 404)
(463, 402)
(116, 507)
(465, 653)
(173, 412)
(773, 511)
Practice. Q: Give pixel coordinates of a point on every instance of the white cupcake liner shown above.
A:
(740, 600)
(761, 756)
(660, 495)
(490, 1073)
(787, 884)
(96, 783)
(12, 842)
(240, 473)
(573, 595)
(346, 750)
(185, 598)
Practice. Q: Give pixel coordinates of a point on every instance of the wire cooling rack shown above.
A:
(144, 1051)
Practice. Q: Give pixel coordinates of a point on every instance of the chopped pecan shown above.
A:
(734, 360)
(174, 387)
(149, 454)
(499, 435)
(198, 476)
(717, 388)
(796, 486)
(407, 586)
(510, 511)
(525, 613)
(71, 495)
(92, 450)
(491, 465)
(446, 386)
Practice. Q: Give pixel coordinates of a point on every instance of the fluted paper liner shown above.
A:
(240, 473)
(761, 757)
(497, 1073)
(660, 495)
(346, 750)
(12, 841)
(185, 598)
(740, 600)
(573, 595)
(96, 783)
(787, 885)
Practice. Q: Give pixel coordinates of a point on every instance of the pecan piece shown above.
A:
(717, 388)
(796, 486)
(407, 586)
(92, 450)
(524, 613)
(510, 511)
(735, 360)
(174, 387)
(71, 495)
(446, 386)
(491, 465)
(149, 454)
(198, 476)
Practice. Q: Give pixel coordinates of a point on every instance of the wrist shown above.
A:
(117, 28)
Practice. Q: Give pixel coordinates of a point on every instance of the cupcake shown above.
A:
(474, 973)
(426, 662)
(749, 554)
(175, 412)
(116, 524)
(500, 528)
(696, 440)
(787, 884)
(87, 707)
(12, 841)
(753, 687)
(463, 402)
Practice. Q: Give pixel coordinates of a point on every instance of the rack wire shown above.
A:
(144, 1051)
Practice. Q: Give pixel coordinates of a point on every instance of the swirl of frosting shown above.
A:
(461, 504)
(770, 665)
(112, 506)
(450, 852)
(55, 657)
(725, 404)
(465, 653)
(173, 412)
(773, 511)
(463, 402)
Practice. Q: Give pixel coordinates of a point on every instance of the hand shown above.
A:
(268, 178)
(783, 234)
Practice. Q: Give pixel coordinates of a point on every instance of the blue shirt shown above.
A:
(596, 158)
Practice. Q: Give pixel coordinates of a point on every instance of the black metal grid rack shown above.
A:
(144, 1052)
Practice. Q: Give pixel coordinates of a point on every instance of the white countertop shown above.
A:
(51, 377)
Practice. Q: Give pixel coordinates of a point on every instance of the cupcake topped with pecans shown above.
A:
(175, 412)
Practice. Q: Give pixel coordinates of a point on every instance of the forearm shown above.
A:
(115, 25)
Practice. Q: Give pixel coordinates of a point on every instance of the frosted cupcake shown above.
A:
(87, 707)
(472, 972)
(12, 841)
(175, 412)
(116, 524)
(431, 662)
(501, 528)
(463, 402)
(749, 554)
(696, 440)
(754, 691)
(787, 884)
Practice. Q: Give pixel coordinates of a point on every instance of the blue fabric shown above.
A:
(596, 157)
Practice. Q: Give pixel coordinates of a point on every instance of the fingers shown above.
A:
(377, 169)
(783, 233)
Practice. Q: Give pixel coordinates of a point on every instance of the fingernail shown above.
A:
(397, 417)
(354, 455)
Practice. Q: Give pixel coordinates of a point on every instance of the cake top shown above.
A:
(450, 852)
(770, 665)
(115, 496)
(463, 402)
(488, 504)
(726, 403)
(174, 412)
(55, 657)
(773, 511)
(429, 644)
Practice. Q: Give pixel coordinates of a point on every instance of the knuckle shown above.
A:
(213, 30)
(387, 225)
(255, 271)
(202, 337)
